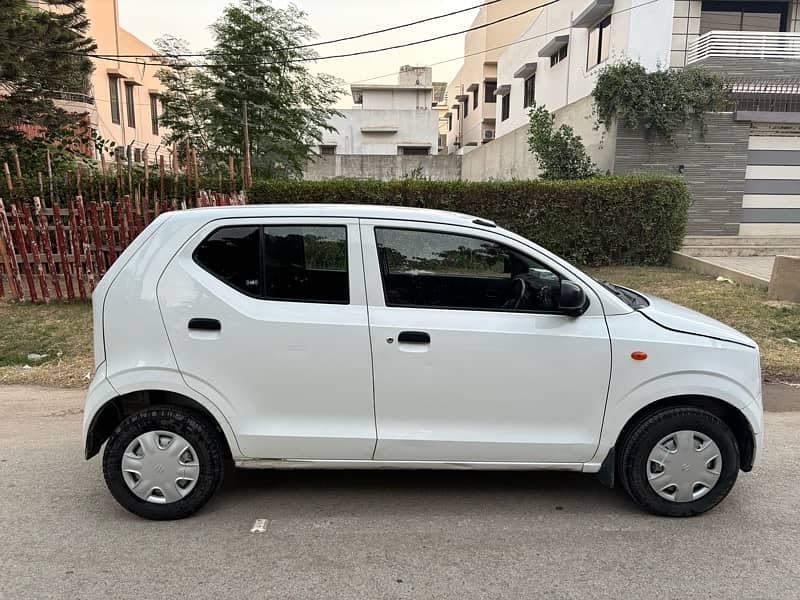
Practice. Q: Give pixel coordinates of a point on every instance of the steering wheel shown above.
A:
(523, 289)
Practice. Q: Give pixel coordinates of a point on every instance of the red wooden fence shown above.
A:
(62, 252)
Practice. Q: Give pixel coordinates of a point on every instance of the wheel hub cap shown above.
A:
(160, 467)
(684, 466)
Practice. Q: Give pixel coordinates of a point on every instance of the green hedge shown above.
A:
(598, 221)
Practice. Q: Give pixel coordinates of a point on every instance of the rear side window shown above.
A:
(306, 263)
(232, 255)
(293, 263)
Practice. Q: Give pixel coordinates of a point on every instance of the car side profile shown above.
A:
(350, 337)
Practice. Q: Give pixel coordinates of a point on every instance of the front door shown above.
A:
(472, 361)
(267, 318)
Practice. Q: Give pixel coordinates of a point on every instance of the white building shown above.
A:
(556, 59)
(388, 119)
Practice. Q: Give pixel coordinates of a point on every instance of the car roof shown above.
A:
(360, 211)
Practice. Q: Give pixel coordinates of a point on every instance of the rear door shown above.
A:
(268, 319)
(467, 366)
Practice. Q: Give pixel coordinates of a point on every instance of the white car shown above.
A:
(351, 337)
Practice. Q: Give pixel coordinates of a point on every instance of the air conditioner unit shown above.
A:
(488, 134)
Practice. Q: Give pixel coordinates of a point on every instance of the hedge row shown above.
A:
(598, 221)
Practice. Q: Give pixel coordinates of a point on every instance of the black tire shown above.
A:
(646, 434)
(203, 437)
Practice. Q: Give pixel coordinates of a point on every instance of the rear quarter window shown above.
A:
(232, 255)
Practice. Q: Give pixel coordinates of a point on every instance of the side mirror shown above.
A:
(572, 299)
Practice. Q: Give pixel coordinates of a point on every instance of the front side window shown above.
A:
(428, 269)
(306, 263)
(232, 255)
(599, 43)
(505, 107)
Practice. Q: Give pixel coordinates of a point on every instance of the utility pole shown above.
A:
(248, 174)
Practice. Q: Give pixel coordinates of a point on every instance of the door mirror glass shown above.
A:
(572, 299)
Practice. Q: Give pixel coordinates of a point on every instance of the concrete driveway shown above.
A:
(360, 535)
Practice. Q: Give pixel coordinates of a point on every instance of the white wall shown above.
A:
(414, 127)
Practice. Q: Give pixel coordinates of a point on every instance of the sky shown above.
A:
(189, 19)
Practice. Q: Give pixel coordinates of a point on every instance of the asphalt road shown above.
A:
(383, 534)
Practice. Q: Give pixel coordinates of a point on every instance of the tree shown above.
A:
(259, 58)
(186, 102)
(42, 57)
(560, 153)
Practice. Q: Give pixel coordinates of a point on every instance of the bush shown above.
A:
(598, 221)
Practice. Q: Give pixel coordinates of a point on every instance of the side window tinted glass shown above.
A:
(306, 263)
(232, 255)
(444, 270)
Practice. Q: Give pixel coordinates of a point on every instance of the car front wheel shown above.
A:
(163, 463)
(679, 462)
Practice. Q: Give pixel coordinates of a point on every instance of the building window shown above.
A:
(449, 121)
(743, 16)
(113, 88)
(505, 107)
(413, 150)
(130, 104)
(466, 108)
(154, 112)
(475, 98)
(558, 56)
(491, 88)
(327, 150)
(599, 43)
(530, 91)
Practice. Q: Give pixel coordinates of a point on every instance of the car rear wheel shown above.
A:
(163, 463)
(679, 462)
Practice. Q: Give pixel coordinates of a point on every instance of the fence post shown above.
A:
(44, 232)
(109, 226)
(37, 261)
(61, 245)
(9, 255)
(76, 249)
(98, 244)
(23, 252)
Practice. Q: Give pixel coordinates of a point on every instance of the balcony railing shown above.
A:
(744, 44)
(72, 97)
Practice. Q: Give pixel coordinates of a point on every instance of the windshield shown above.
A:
(630, 297)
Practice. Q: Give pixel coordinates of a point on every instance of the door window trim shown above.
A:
(504, 246)
(261, 295)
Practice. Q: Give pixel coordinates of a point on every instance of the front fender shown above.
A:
(688, 383)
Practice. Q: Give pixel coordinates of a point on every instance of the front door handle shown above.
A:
(205, 325)
(414, 337)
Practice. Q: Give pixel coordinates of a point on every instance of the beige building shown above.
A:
(470, 120)
(123, 101)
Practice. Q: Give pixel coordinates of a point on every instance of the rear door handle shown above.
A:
(414, 337)
(205, 325)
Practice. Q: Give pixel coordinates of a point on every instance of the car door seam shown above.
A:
(369, 337)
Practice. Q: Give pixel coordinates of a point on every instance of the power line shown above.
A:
(527, 39)
(311, 59)
(325, 43)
